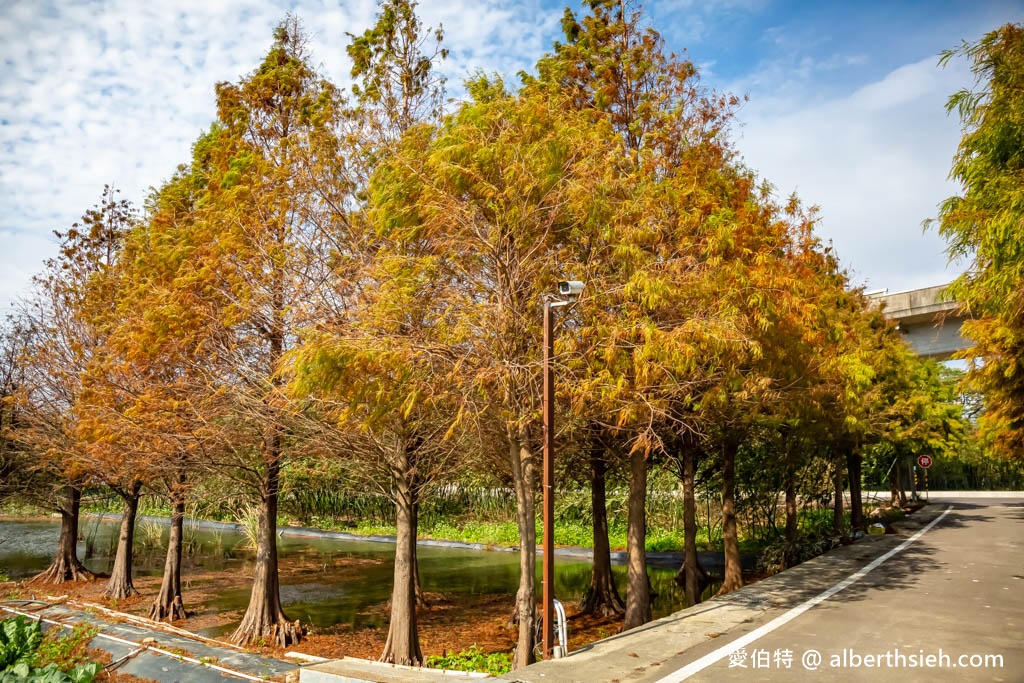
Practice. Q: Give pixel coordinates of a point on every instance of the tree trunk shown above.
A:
(789, 557)
(403, 643)
(897, 488)
(853, 467)
(168, 604)
(526, 599)
(120, 584)
(691, 575)
(912, 478)
(894, 485)
(601, 596)
(66, 566)
(265, 620)
(730, 537)
(421, 600)
(638, 587)
(792, 527)
(838, 516)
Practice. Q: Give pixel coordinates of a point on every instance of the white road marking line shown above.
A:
(741, 642)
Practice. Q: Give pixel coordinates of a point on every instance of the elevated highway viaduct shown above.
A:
(929, 320)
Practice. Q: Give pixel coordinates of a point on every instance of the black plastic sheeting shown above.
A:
(149, 664)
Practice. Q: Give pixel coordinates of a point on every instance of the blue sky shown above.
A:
(846, 100)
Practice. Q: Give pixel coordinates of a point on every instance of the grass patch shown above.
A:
(567, 533)
(13, 508)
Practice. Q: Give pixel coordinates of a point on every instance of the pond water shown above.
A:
(325, 582)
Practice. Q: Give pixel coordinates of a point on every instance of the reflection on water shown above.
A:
(334, 582)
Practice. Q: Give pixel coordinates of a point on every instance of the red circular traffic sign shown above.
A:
(924, 461)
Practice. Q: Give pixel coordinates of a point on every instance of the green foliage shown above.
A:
(913, 411)
(469, 531)
(816, 522)
(19, 639)
(986, 226)
(486, 515)
(66, 650)
(18, 508)
(393, 64)
(51, 673)
(248, 518)
(816, 536)
(780, 554)
(27, 655)
(473, 659)
(658, 541)
(974, 470)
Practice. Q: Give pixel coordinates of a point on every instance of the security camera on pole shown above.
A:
(570, 289)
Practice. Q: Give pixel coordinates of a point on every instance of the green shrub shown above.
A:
(19, 640)
(664, 541)
(27, 655)
(51, 673)
(779, 554)
(473, 659)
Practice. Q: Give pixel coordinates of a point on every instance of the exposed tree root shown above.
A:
(161, 611)
(604, 601)
(281, 633)
(702, 577)
(402, 654)
(63, 570)
(122, 589)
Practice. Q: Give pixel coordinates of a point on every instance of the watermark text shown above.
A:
(813, 660)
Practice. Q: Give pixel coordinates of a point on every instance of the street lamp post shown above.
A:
(548, 410)
(570, 289)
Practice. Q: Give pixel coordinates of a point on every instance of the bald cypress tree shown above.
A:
(985, 225)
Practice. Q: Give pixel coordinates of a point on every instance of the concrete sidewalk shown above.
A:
(638, 653)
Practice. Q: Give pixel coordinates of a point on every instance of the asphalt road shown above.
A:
(955, 593)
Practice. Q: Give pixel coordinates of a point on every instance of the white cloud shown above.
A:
(875, 161)
(116, 91)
